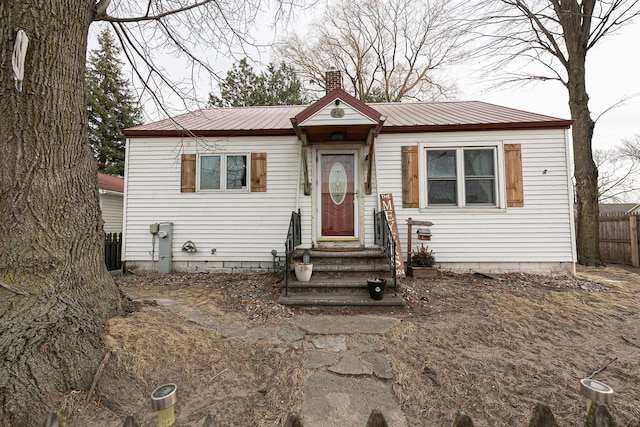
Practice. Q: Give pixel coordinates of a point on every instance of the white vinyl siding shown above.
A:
(244, 227)
(241, 226)
(111, 207)
(539, 232)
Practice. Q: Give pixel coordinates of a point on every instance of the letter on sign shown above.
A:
(386, 200)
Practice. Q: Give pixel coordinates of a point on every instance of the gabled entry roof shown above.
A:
(337, 114)
(329, 100)
(401, 117)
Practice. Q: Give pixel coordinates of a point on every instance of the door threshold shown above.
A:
(338, 239)
(338, 243)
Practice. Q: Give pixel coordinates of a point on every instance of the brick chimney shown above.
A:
(333, 79)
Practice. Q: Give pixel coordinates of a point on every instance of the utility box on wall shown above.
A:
(165, 238)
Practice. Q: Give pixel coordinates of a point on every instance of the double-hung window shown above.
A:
(223, 172)
(461, 177)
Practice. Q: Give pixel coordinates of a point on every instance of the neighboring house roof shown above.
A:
(617, 208)
(110, 183)
(400, 117)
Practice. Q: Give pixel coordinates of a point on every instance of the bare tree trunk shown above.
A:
(585, 169)
(55, 291)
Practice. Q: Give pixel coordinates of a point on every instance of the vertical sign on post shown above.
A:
(386, 200)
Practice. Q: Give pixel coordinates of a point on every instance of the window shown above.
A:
(461, 177)
(223, 172)
(479, 176)
(441, 177)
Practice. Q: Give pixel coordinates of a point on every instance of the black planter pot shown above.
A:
(376, 288)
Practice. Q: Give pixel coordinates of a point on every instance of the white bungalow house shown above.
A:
(111, 190)
(222, 183)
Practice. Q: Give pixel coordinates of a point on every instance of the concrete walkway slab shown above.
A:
(333, 400)
(338, 325)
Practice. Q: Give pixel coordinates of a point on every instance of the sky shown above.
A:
(613, 72)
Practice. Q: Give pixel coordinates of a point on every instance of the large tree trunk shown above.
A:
(585, 170)
(55, 291)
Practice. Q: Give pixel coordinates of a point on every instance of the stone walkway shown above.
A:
(347, 376)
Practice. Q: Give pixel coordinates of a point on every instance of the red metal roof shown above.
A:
(432, 116)
(110, 183)
(401, 117)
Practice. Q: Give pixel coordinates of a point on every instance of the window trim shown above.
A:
(223, 173)
(459, 147)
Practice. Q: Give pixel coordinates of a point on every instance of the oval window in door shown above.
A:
(338, 183)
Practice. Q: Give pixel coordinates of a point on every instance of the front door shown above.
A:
(338, 194)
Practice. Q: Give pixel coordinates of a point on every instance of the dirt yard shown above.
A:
(491, 347)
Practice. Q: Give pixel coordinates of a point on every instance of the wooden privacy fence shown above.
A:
(597, 416)
(113, 251)
(619, 239)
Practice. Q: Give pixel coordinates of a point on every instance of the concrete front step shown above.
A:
(339, 278)
(389, 300)
(363, 270)
(336, 285)
(362, 257)
(336, 253)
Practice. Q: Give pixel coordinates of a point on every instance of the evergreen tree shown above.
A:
(282, 86)
(242, 87)
(111, 106)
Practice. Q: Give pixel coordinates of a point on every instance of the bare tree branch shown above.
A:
(538, 40)
(101, 8)
(148, 17)
(620, 103)
(616, 174)
(197, 33)
(388, 50)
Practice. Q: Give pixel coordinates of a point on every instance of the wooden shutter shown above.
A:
(410, 179)
(258, 172)
(188, 173)
(513, 169)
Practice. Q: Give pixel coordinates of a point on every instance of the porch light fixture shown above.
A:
(337, 136)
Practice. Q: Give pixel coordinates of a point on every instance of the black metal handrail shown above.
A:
(384, 238)
(294, 238)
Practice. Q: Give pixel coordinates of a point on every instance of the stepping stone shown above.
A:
(352, 365)
(230, 330)
(319, 358)
(381, 366)
(336, 344)
(289, 334)
(365, 343)
(263, 333)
